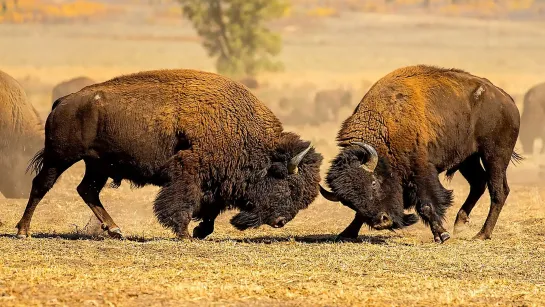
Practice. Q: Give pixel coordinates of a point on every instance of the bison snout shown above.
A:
(279, 222)
(384, 221)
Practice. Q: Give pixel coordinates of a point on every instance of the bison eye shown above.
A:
(374, 183)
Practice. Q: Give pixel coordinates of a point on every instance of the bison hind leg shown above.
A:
(41, 184)
(89, 190)
(475, 175)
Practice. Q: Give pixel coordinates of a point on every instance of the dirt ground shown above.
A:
(300, 264)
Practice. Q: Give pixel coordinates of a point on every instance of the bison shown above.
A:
(533, 114)
(412, 125)
(21, 135)
(70, 86)
(208, 142)
(327, 104)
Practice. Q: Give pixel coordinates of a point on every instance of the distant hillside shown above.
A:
(50, 11)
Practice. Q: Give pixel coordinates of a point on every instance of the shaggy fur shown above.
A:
(531, 121)
(205, 139)
(70, 86)
(423, 121)
(21, 135)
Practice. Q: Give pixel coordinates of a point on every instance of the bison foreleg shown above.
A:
(427, 212)
(209, 215)
(352, 231)
(175, 204)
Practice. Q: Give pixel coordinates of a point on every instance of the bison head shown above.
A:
(286, 185)
(364, 182)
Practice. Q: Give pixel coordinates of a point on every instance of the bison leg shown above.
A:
(433, 200)
(429, 215)
(206, 226)
(352, 231)
(499, 190)
(89, 190)
(475, 175)
(41, 184)
(175, 204)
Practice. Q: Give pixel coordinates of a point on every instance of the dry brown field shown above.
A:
(66, 263)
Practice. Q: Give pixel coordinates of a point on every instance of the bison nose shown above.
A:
(384, 221)
(279, 222)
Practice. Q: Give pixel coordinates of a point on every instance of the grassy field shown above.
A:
(297, 265)
(69, 264)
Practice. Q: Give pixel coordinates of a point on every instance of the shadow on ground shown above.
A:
(314, 239)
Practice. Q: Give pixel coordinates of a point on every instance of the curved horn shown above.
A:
(373, 156)
(293, 165)
(328, 195)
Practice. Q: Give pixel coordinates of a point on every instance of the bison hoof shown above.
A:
(444, 237)
(116, 233)
(462, 222)
(481, 236)
(185, 237)
(200, 233)
(22, 236)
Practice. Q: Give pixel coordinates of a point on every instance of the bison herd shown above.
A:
(211, 145)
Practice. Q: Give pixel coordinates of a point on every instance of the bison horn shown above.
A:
(328, 195)
(293, 165)
(371, 164)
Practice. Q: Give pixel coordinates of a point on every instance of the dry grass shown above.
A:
(297, 265)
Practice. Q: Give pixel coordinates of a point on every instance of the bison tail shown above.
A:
(516, 157)
(36, 163)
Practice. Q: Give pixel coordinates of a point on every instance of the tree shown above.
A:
(234, 31)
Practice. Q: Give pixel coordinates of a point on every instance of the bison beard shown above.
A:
(245, 220)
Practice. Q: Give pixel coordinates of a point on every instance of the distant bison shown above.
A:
(324, 108)
(70, 86)
(412, 125)
(250, 82)
(531, 121)
(327, 104)
(206, 140)
(21, 135)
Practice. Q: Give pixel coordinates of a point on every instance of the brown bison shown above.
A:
(21, 135)
(70, 86)
(205, 139)
(412, 125)
(531, 121)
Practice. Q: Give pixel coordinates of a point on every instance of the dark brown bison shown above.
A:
(531, 120)
(70, 86)
(205, 139)
(412, 125)
(21, 135)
